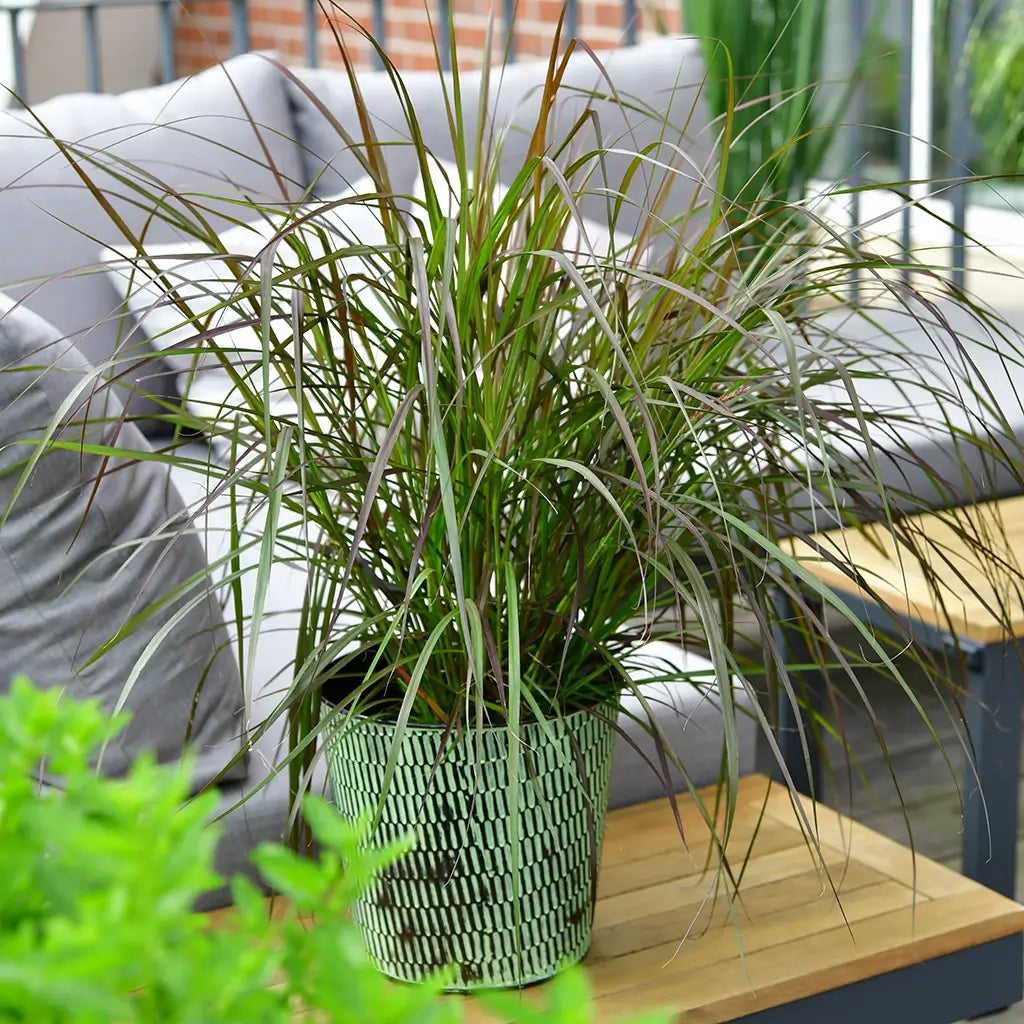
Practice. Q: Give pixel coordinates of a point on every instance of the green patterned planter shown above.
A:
(450, 901)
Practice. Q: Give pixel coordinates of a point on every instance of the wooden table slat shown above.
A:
(835, 831)
(805, 892)
(674, 861)
(985, 548)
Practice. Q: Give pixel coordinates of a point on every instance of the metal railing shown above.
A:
(914, 139)
(16, 11)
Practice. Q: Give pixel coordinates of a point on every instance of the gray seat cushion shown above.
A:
(226, 132)
(258, 809)
(656, 108)
(88, 545)
(679, 689)
(950, 387)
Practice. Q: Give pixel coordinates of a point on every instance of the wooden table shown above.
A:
(961, 596)
(920, 944)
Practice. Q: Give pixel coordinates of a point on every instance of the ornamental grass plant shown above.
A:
(505, 450)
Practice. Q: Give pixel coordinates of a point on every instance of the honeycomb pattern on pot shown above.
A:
(450, 902)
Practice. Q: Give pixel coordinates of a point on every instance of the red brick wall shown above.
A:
(204, 29)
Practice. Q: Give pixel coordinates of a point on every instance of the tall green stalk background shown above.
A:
(765, 67)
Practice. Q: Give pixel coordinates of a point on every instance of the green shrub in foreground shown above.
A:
(98, 878)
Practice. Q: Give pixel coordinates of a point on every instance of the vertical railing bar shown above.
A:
(572, 19)
(906, 99)
(921, 135)
(17, 55)
(166, 41)
(239, 27)
(960, 134)
(312, 47)
(444, 17)
(854, 135)
(629, 15)
(93, 79)
(510, 31)
(379, 32)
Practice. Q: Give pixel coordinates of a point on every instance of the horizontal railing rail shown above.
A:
(916, 75)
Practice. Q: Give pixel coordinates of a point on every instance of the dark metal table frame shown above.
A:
(994, 690)
(971, 982)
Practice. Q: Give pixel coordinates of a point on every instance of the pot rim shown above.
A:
(610, 708)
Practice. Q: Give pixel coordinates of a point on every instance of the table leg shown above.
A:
(802, 756)
(993, 717)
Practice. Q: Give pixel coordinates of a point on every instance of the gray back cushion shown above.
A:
(948, 384)
(226, 132)
(656, 106)
(87, 546)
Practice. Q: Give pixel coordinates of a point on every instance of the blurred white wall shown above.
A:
(55, 53)
(25, 20)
